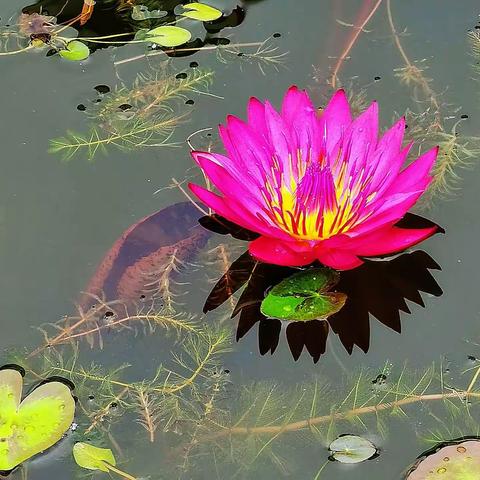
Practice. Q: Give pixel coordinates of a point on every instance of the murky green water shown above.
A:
(58, 220)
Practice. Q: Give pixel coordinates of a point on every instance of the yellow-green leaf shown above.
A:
(93, 458)
(75, 51)
(168, 36)
(35, 424)
(200, 11)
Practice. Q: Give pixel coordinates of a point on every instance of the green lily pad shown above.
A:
(352, 449)
(304, 296)
(75, 51)
(457, 460)
(201, 12)
(168, 36)
(93, 458)
(35, 424)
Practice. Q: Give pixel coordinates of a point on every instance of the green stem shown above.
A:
(119, 472)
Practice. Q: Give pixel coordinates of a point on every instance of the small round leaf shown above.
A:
(168, 36)
(352, 449)
(75, 51)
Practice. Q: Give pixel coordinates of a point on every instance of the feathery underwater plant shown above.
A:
(143, 115)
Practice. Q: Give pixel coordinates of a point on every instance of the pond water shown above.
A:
(166, 387)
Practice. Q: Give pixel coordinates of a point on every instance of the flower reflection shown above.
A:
(378, 288)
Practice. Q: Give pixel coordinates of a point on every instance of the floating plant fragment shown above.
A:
(75, 51)
(201, 12)
(352, 449)
(141, 12)
(304, 296)
(35, 424)
(93, 458)
(168, 36)
(457, 460)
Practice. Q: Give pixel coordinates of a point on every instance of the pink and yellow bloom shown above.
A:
(316, 186)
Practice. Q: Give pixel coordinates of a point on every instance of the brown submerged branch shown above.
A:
(370, 409)
(351, 43)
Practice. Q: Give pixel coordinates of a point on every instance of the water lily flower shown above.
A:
(316, 186)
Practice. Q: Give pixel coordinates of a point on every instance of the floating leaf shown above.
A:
(141, 12)
(352, 449)
(93, 458)
(168, 36)
(458, 460)
(304, 296)
(75, 51)
(35, 424)
(200, 11)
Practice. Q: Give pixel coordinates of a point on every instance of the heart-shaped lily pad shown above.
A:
(457, 460)
(352, 449)
(75, 51)
(168, 36)
(305, 296)
(201, 12)
(35, 424)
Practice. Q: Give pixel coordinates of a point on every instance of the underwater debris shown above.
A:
(142, 264)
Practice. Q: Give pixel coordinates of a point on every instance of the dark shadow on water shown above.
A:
(378, 289)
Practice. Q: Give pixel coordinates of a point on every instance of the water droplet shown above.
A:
(181, 76)
(442, 470)
(446, 459)
(461, 449)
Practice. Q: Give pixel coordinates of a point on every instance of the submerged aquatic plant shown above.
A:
(142, 115)
(316, 188)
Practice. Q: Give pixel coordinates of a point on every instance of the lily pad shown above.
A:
(201, 12)
(75, 51)
(35, 424)
(304, 296)
(168, 36)
(93, 458)
(352, 449)
(457, 460)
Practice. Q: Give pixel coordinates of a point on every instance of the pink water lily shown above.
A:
(316, 186)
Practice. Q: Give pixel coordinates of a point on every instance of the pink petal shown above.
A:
(417, 173)
(338, 259)
(242, 185)
(279, 134)
(272, 250)
(295, 103)
(236, 213)
(334, 120)
(388, 158)
(387, 211)
(360, 140)
(389, 240)
(256, 115)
